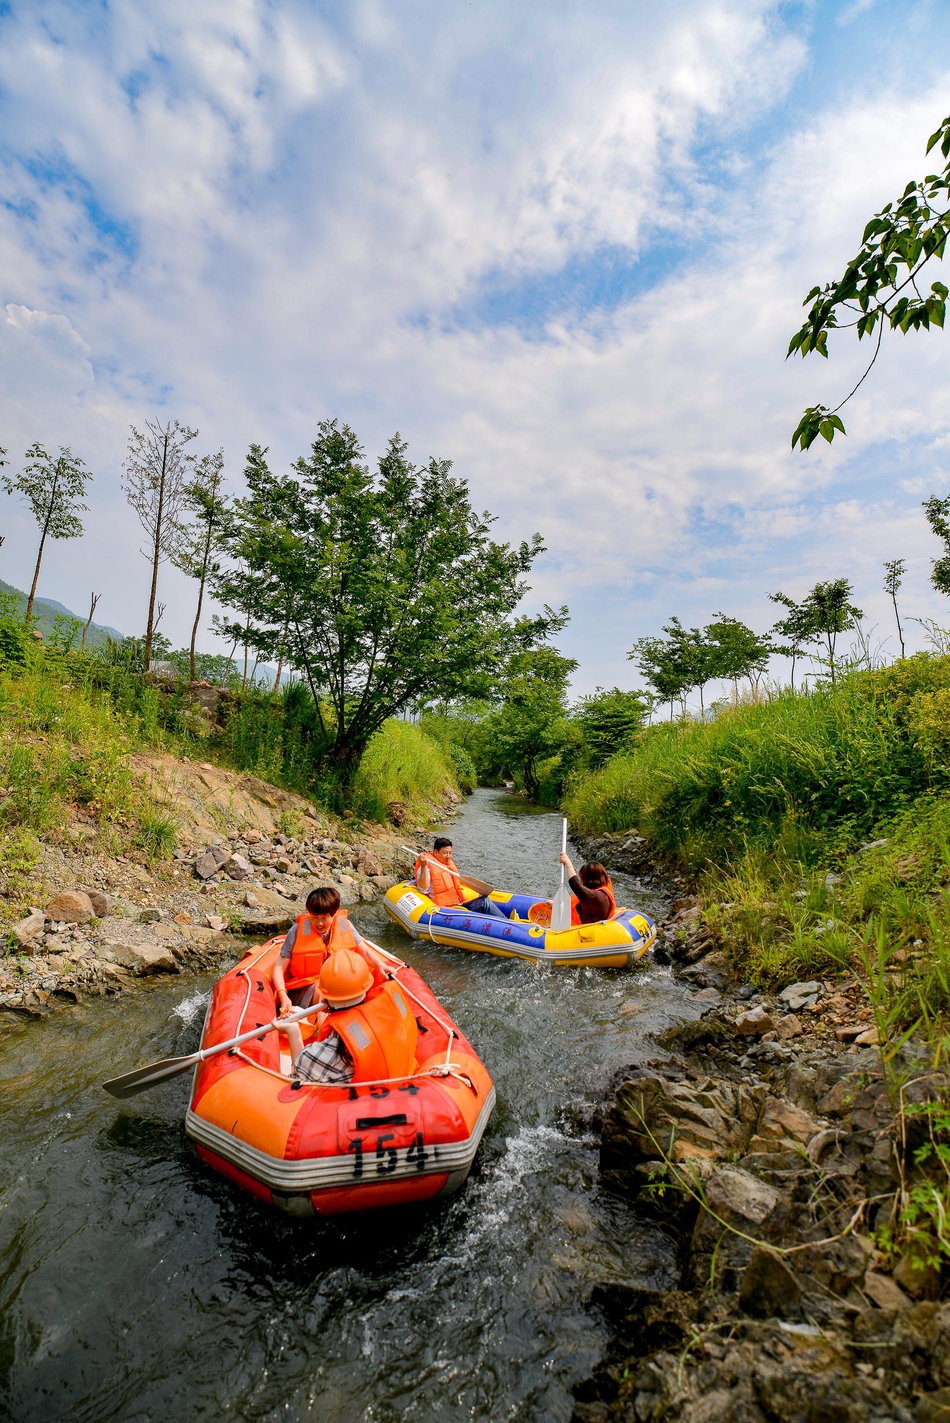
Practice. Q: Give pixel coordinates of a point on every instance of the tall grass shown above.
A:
(403, 764)
(804, 774)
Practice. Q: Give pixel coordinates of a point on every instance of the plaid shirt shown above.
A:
(326, 1061)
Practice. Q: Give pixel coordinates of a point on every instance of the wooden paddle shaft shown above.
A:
(479, 885)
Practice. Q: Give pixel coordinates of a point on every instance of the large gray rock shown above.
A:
(140, 957)
(712, 1120)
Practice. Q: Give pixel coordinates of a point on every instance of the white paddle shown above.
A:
(142, 1078)
(561, 905)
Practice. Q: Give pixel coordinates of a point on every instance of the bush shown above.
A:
(401, 763)
(813, 772)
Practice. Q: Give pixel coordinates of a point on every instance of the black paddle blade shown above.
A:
(131, 1083)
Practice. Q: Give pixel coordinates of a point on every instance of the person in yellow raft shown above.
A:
(437, 875)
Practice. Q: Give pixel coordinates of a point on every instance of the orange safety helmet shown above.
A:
(345, 979)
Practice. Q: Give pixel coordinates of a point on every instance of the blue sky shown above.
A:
(563, 248)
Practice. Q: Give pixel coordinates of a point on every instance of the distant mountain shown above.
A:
(46, 610)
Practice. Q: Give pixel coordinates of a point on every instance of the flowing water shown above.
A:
(137, 1285)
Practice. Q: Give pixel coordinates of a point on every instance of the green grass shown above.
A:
(769, 799)
(403, 764)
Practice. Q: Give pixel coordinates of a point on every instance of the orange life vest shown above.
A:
(310, 953)
(607, 889)
(445, 882)
(380, 1034)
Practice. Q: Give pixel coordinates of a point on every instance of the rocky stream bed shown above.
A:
(766, 1138)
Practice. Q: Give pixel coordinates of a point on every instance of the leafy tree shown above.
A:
(938, 517)
(798, 628)
(893, 577)
(831, 613)
(192, 553)
(54, 490)
(156, 466)
(664, 668)
(609, 721)
(734, 651)
(532, 723)
(385, 591)
(879, 286)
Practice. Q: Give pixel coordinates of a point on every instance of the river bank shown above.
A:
(777, 1142)
(102, 923)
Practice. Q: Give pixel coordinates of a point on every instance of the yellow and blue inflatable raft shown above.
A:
(612, 943)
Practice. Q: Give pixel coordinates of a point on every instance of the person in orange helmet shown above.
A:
(367, 1032)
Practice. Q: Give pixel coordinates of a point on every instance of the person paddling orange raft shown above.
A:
(437, 875)
(321, 931)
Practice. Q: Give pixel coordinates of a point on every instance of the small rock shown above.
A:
(238, 867)
(369, 864)
(215, 921)
(208, 863)
(384, 882)
(768, 1286)
(707, 995)
(789, 1027)
(254, 837)
(70, 907)
(251, 900)
(150, 916)
(831, 880)
(799, 995)
(885, 1293)
(27, 929)
(754, 1022)
(345, 879)
(846, 1035)
(868, 1039)
(284, 864)
(183, 918)
(746, 992)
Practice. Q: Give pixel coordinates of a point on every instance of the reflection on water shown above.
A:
(137, 1285)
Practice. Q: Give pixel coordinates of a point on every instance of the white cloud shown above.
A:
(259, 221)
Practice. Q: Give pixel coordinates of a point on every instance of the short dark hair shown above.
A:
(324, 900)
(592, 876)
(441, 841)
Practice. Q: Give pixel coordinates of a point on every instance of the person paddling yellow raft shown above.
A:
(446, 907)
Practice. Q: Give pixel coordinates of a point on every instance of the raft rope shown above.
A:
(448, 1068)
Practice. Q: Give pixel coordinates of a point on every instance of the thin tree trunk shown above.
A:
(149, 627)
(39, 556)
(900, 630)
(231, 653)
(92, 608)
(794, 655)
(201, 593)
(280, 668)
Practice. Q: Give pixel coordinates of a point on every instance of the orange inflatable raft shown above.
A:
(312, 1148)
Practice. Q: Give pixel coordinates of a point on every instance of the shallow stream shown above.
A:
(136, 1285)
